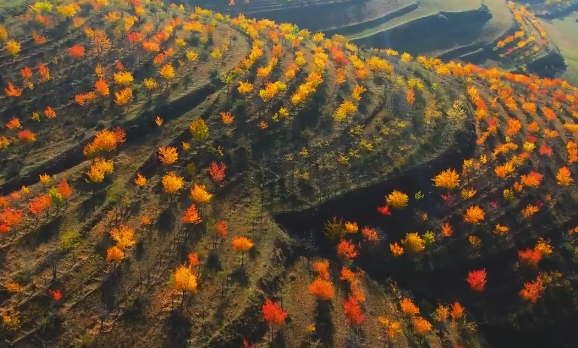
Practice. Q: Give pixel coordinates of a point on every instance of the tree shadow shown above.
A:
(214, 262)
(324, 328)
(355, 339)
(139, 250)
(166, 221)
(279, 341)
(88, 207)
(50, 326)
(178, 329)
(108, 289)
(239, 276)
(220, 313)
(253, 253)
(44, 233)
(194, 233)
(134, 310)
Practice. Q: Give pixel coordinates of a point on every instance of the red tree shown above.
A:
(56, 295)
(530, 257)
(533, 290)
(4, 228)
(346, 250)
(273, 313)
(217, 171)
(353, 311)
(246, 344)
(477, 280)
(64, 189)
(384, 210)
(76, 51)
(39, 204)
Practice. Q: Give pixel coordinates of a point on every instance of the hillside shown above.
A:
(560, 31)
(472, 31)
(550, 9)
(165, 172)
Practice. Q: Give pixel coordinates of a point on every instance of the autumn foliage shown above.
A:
(105, 141)
(55, 294)
(532, 291)
(185, 279)
(39, 204)
(474, 215)
(191, 216)
(9, 218)
(172, 183)
(322, 268)
(448, 179)
(353, 311)
(168, 154)
(273, 314)
(397, 199)
(123, 235)
(114, 253)
(133, 66)
(346, 250)
(408, 307)
(322, 289)
(477, 280)
(200, 194)
(241, 244)
(217, 171)
(421, 325)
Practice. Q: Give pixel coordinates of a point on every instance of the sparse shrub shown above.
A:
(70, 239)
(85, 341)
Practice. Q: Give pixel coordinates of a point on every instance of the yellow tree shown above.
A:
(199, 194)
(114, 253)
(397, 199)
(99, 169)
(167, 72)
(241, 245)
(123, 235)
(185, 280)
(217, 55)
(140, 180)
(245, 87)
(13, 47)
(474, 215)
(564, 177)
(199, 130)
(448, 179)
(3, 33)
(413, 242)
(172, 183)
(123, 96)
(123, 78)
(168, 154)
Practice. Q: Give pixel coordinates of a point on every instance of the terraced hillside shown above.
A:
(165, 173)
(389, 23)
(471, 31)
(550, 9)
